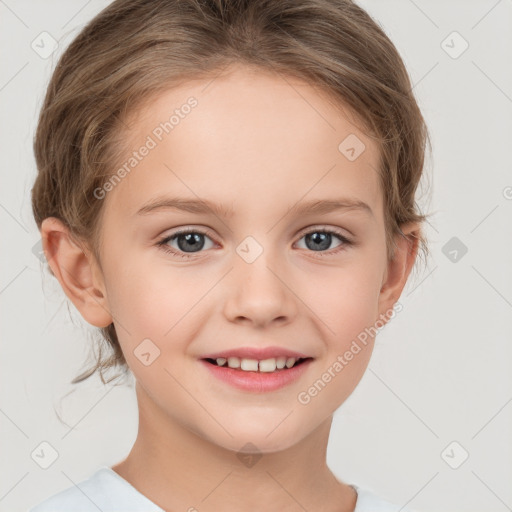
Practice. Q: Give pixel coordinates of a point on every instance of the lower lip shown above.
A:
(259, 382)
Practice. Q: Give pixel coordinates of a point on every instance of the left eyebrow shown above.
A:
(322, 206)
(204, 206)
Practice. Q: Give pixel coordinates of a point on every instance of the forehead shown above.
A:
(249, 139)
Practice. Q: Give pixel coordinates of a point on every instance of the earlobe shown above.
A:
(77, 272)
(399, 269)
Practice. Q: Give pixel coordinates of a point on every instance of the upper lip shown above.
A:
(256, 353)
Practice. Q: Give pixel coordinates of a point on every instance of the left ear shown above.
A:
(399, 268)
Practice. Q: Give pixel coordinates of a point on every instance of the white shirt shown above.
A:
(107, 491)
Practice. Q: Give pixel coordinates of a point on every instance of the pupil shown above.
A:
(323, 239)
(194, 239)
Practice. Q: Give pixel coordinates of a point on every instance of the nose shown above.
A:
(259, 293)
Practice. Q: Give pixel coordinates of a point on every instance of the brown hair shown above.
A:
(136, 48)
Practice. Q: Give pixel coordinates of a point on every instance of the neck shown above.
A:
(179, 470)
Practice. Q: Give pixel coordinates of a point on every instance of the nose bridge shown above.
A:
(257, 291)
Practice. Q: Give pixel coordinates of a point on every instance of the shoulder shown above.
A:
(367, 501)
(104, 490)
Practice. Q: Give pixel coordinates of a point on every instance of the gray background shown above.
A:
(441, 370)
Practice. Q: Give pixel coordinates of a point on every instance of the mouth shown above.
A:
(257, 375)
(270, 365)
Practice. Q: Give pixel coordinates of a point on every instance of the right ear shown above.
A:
(77, 272)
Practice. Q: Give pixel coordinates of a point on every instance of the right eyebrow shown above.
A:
(187, 205)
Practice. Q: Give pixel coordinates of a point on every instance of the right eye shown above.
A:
(192, 239)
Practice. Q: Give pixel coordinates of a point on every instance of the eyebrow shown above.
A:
(203, 206)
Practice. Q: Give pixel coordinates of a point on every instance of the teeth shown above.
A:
(249, 365)
(253, 365)
(280, 362)
(268, 365)
(233, 362)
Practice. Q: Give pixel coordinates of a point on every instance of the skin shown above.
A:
(258, 143)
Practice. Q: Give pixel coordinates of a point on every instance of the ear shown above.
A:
(77, 272)
(399, 268)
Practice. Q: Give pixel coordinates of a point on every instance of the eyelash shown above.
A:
(163, 242)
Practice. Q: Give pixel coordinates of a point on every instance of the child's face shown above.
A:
(258, 145)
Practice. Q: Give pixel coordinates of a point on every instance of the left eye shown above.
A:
(318, 240)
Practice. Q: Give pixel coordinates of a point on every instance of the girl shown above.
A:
(280, 138)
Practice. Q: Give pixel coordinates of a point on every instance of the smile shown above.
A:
(255, 365)
(257, 376)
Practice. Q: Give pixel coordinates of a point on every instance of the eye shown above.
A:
(188, 241)
(185, 243)
(319, 240)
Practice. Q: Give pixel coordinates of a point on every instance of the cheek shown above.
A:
(162, 304)
(151, 299)
(344, 301)
(345, 304)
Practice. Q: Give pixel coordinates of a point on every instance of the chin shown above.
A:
(259, 438)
